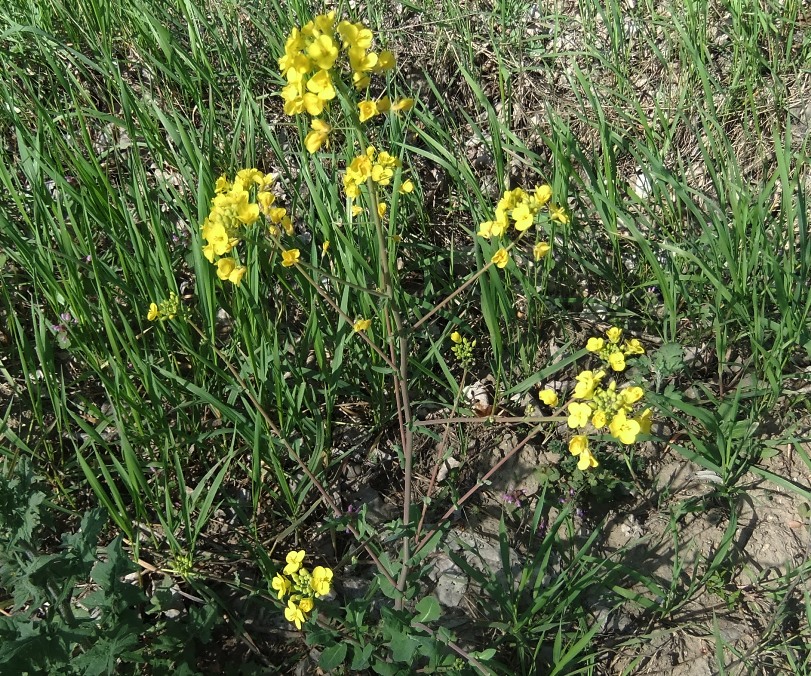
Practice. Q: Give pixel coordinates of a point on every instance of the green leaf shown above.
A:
(332, 657)
(360, 657)
(428, 609)
(403, 647)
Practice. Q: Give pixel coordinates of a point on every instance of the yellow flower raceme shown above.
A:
(311, 61)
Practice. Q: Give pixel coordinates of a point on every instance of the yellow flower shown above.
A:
(586, 461)
(501, 258)
(578, 444)
(644, 421)
(598, 419)
(624, 429)
(616, 360)
(595, 344)
(402, 104)
(294, 560)
(222, 185)
(586, 382)
(306, 605)
(318, 136)
(381, 209)
(633, 346)
(325, 247)
(247, 177)
(367, 110)
(383, 104)
(282, 585)
(456, 337)
(321, 580)
(385, 61)
(558, 214)
(323, 51)
(543, 193)
(523, 217)
(152, 315)
(548, 397)
(406, 187)
(540, 250)
(290, 257)
(361, 325)
(320, 84)
(227, 269)
(293, 614)
(614, 334)
(265, 201)
(630, 395)
(579, 415)
(357, 209)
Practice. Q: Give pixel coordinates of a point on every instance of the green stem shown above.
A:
(406, 421)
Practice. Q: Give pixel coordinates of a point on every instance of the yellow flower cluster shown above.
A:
(602, 406)
(311, 62)
(379, 167)
(301, 585)
(463, 349)
(166, 309)
(611, 352)
(521, 209)
(237, 206)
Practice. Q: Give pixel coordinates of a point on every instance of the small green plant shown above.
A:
(72, 611)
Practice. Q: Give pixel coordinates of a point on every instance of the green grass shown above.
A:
(670, 132)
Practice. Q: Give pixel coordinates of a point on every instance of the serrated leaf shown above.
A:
(332, 657)
(428, 610)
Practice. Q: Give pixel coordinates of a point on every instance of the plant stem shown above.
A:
(401, 376)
